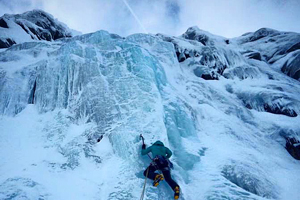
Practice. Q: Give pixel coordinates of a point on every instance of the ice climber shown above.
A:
(161, 155)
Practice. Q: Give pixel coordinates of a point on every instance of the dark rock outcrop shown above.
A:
(3, 23)
(5, 43)
(280, 110)
(254, 55)
(293, 147)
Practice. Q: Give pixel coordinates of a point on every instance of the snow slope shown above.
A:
(224, 116)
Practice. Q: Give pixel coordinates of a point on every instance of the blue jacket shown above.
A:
(158, 148)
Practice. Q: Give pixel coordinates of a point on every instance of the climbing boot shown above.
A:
(176, 192)
(157, 179)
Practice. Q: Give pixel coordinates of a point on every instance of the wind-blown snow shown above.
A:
(227, 134)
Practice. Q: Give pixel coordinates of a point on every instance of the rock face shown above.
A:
(32, 25)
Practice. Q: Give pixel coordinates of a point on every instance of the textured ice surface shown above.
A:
(227, 135)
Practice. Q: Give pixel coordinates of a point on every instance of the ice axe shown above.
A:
(143, 140)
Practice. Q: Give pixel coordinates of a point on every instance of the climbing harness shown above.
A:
(160, 163)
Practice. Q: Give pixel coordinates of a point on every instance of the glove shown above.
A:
(143, 146)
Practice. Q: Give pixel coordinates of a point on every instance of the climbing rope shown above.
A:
(143, 192)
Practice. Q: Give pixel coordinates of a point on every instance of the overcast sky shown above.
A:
(229, 18)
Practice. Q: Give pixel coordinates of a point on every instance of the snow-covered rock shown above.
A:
(29, 26)
(225, 116)
(279, 49)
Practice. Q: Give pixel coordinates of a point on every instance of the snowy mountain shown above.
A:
(29, 26)
(279, 49)
(227, 108)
